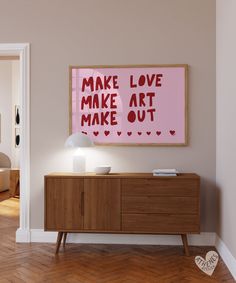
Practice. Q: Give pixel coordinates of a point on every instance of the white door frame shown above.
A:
(23, 50)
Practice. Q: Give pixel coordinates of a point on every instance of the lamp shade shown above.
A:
(78, 140)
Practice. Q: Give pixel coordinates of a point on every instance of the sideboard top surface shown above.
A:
(120, 175)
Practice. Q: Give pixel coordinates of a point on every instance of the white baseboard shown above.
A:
(203, 239)
(226, 255)
(22, 236)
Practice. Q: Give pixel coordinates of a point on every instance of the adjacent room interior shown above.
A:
(9, 127)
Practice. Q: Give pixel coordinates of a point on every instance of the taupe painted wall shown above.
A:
(79, 32)
(226, 130)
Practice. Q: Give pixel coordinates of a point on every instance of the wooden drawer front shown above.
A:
(161, 187)
(160, 223)
(152, 204)
(63, 204)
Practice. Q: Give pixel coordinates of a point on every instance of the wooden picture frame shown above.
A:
(172, 83)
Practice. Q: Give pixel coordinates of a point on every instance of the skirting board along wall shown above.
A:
(203, 239)
(226, 255)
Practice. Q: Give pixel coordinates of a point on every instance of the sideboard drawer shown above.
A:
(161, 187)
(161, 223)
(160, 204)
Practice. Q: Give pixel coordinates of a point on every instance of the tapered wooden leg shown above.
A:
(59, 237)
(185, 243)
(64, 239)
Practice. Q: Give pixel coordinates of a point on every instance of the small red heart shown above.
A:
(95, 133)
(84, 132)
(118, 133)
(139, 133)
(158, 133)
(148, 133)
(172, 133)
(106, 133)
(129, 133)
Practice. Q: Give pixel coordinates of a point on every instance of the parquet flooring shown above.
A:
(78, 263)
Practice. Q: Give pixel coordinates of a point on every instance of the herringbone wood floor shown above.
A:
(95, 263)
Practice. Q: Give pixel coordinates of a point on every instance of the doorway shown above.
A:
(9, 127)
(21, 52)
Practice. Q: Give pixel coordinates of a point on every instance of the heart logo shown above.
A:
(106, 133)
(129, 133)
(84, 132)
(209, 264)
(118, 133)
(158, 133)
(139, 133)
(148, 133)
(95, 133)
(172, 133)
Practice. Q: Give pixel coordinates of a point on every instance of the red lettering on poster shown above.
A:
(99, 94)
(100, 83)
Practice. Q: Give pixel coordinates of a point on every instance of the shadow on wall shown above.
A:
(209, 206)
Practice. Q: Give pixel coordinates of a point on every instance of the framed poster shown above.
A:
(130, 105)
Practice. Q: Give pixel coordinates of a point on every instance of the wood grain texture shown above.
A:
(161, 223)
(133, 204)
(185, 244)
(105, 204)
(102, 204)
(121, 176)
(63, 204)
(83, 263)
(159, 204)
(59, 238)
(161, 187)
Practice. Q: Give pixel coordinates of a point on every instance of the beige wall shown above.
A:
(226, 129)
(77, 32)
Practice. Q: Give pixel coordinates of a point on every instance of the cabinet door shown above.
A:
(102, 204)
(63, 204)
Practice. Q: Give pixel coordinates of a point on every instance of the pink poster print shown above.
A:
(129, 105)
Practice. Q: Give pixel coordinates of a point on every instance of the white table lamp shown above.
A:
(79, 140)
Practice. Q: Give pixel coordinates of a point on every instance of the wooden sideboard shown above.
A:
(122, 203)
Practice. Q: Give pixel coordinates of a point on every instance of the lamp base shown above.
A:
(79, 163)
